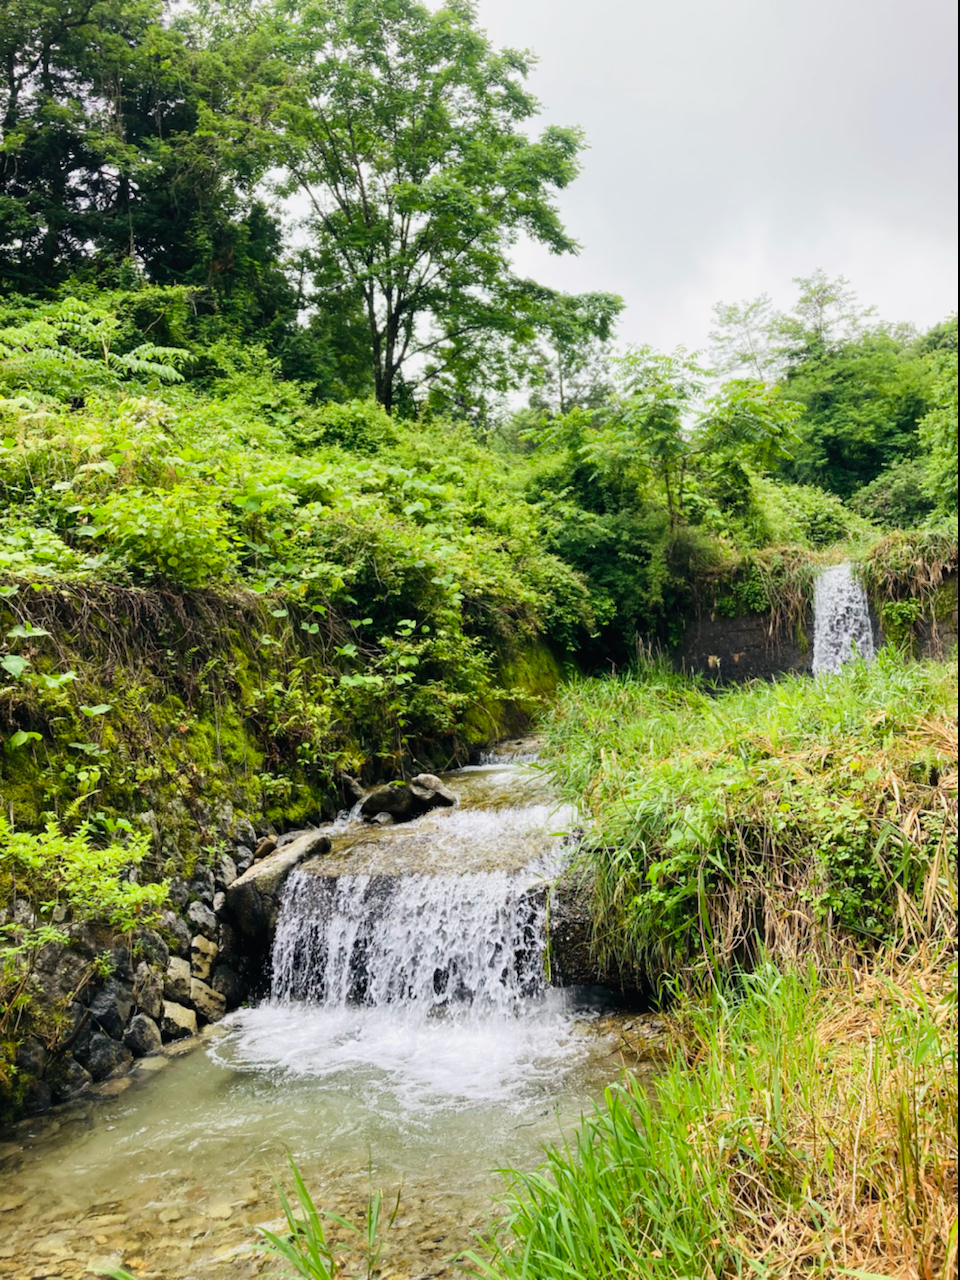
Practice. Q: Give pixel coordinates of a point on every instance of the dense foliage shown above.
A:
(804, 817)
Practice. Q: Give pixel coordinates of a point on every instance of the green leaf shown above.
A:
(23, 736)
(21, 631)
(14, 665)
(99, 710)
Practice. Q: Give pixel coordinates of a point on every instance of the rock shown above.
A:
(103, 1056)
(352, 787)
(31, 1056)
(176, 1021)
(203, 952)
(219, 901)
(244, 832)
(178, 930)
(264, 849)
(148, 990)
(202, 918)
(230, 950)
(404, 801)
(38, 1096)
(143, 1036)
(209, 1004)
(179, 891)
(176, 983)
(382, 819)
(243, 859)
(439, 795)
(149, 946)
(202, 885)
(67, 1078)
(228, 984)
(572, 961)
(253, 899)
(226, 871)
(111, 1007)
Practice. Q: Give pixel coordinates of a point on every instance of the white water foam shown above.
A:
(422, 990)
(842, 630)
(434, 942)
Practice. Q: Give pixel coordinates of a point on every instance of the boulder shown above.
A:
(103, 1056)
(38, 1096)
(178, 931)
(176, 983)
(209, 1004)
(111, 1007)
(226, 871)
(244, 832)
(31, 1056)
(253, 900)
(429, 786)
(176, 1021)
(202, 885)
(67, 1078)
(225, 981)
(143, 1036)
(404, 801)
(203, 952)
(243, 859)
(149, 946)
(202, 919)
(178, 891)
(148, 991)
(219, 901)
(264, 849)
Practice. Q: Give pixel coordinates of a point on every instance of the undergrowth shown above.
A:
(809, 818)
(800, 1128)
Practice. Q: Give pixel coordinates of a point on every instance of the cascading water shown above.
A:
(434, 943)
(409, 1043)
(842, 629)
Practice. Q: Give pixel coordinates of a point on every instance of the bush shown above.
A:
(898, 498)
(179, 533)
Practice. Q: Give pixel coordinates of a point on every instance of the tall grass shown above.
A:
(806, 818)
(798, 1130)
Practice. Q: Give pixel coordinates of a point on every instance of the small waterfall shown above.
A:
(430, 943)
(842, 629)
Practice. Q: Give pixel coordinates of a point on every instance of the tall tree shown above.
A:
(108, 166)
(404, 132)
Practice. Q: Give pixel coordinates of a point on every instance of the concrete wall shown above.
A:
(733, 649)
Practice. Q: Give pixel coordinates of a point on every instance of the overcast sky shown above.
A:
(735, 144)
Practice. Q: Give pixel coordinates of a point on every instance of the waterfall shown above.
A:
(430, 943)
(842, 629)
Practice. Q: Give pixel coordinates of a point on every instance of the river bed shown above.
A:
(168, 1171)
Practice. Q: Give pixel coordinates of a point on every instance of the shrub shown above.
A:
(179, 533)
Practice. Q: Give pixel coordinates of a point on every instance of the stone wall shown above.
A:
(734, 649)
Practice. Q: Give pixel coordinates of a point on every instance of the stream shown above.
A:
(410, 1044)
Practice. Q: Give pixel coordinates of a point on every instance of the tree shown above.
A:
(661, 426)
(404, 131)
(569, 367)
(938, 427)
(746, 338)
(108, 167)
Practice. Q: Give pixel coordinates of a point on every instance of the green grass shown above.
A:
(798, 1130)
(804, 817)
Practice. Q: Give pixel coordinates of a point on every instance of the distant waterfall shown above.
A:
(842, 629)
(427, 942)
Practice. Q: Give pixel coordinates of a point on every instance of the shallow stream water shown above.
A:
(447, 1062)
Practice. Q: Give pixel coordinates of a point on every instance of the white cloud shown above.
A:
(737, 145)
